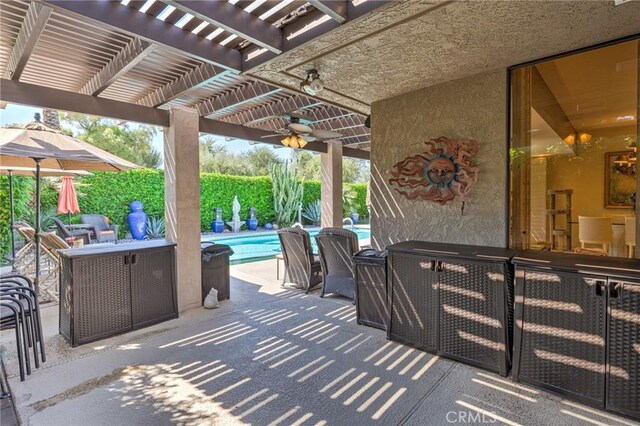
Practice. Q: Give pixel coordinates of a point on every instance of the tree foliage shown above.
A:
(309, 167)
(131, 143)
(216, 158)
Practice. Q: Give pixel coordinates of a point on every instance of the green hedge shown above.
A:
(110, 194)
(22, 190)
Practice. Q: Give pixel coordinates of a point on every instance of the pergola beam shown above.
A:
(336, 9)
(220, 105)
(152, 30)
(234, 20)
(198, 77)
(44, 97)
(32, 27)
(130, 56)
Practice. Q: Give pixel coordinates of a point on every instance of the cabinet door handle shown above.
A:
(133, 259)
(615, 290)
(126, 259)
(599, 288)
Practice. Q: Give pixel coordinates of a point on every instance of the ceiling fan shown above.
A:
(297, 134)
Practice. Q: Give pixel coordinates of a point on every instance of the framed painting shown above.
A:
(620, 170)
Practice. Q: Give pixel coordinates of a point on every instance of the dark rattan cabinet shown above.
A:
(370, 275)
(577, 330)
(413, 307)
(452, 300)
(109, 290)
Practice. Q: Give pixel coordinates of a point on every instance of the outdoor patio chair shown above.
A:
(65, 232)
(20, 310)
(301, 266)
(102, 231)
(336, 247)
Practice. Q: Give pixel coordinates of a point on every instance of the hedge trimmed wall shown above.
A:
(22, 190)
(110, 194)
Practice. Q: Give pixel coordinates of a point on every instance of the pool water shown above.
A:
(266, 245)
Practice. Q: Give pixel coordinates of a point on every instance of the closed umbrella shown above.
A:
(29, 171)
(68, 199)
(21, 146)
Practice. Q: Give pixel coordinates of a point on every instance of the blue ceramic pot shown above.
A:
(217, 226)
(268, 226)
(252, 223)
(137, 220)
(355, 217)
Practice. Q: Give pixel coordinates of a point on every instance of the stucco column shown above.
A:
(182, 201)
(332, 185)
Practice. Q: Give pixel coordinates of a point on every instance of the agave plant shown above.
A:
(312, 212)
(288, 190)
(155, 228)
(45, 217)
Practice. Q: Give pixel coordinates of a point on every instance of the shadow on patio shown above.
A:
(272, 356)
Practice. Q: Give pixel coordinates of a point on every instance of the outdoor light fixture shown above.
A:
(313, 84)
(294, 141)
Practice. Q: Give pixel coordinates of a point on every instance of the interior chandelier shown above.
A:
(294, 141)
(313, 84)
(583, 137)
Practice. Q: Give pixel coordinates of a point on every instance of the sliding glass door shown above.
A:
(573, 149)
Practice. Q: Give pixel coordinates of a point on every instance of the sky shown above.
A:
(17, 114)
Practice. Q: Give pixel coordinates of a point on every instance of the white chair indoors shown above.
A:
(595, 231)
(630, 234)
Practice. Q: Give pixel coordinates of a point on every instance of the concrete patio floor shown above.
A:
(271, 356)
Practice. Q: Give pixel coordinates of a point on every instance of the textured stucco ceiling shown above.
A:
(412, 44)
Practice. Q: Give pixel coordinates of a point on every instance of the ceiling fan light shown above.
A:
(293, 142)
(302, 142)
(286, 141)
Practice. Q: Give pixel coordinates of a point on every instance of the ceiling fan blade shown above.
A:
(300, 128)
(325, 134)
(271, 136)
(308, 138)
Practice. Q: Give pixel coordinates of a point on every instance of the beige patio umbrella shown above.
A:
(29, 171)
(24, 145)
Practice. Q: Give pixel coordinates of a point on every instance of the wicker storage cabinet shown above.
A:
(109, 290)
(453, 300)
(577, 331)
(370, 273)
(215, 269)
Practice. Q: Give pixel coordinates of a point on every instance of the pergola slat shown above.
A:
(30, 31)
(132, 54)
(336, 9)
(226, 103)
(233, 19)
(153, 30)
(192, 80)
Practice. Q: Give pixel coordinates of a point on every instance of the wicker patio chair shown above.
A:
(65, 232)
(103, 232)
(336, 247)
(301, 266)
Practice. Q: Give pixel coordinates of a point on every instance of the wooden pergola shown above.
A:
(136, 59)
(182, 65)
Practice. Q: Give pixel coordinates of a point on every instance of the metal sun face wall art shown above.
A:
(445, 169)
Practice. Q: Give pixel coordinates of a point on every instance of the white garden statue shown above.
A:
(235, 223)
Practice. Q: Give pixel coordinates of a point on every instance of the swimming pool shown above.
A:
(265, 245)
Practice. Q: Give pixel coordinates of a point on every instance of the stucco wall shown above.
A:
(473, 107)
